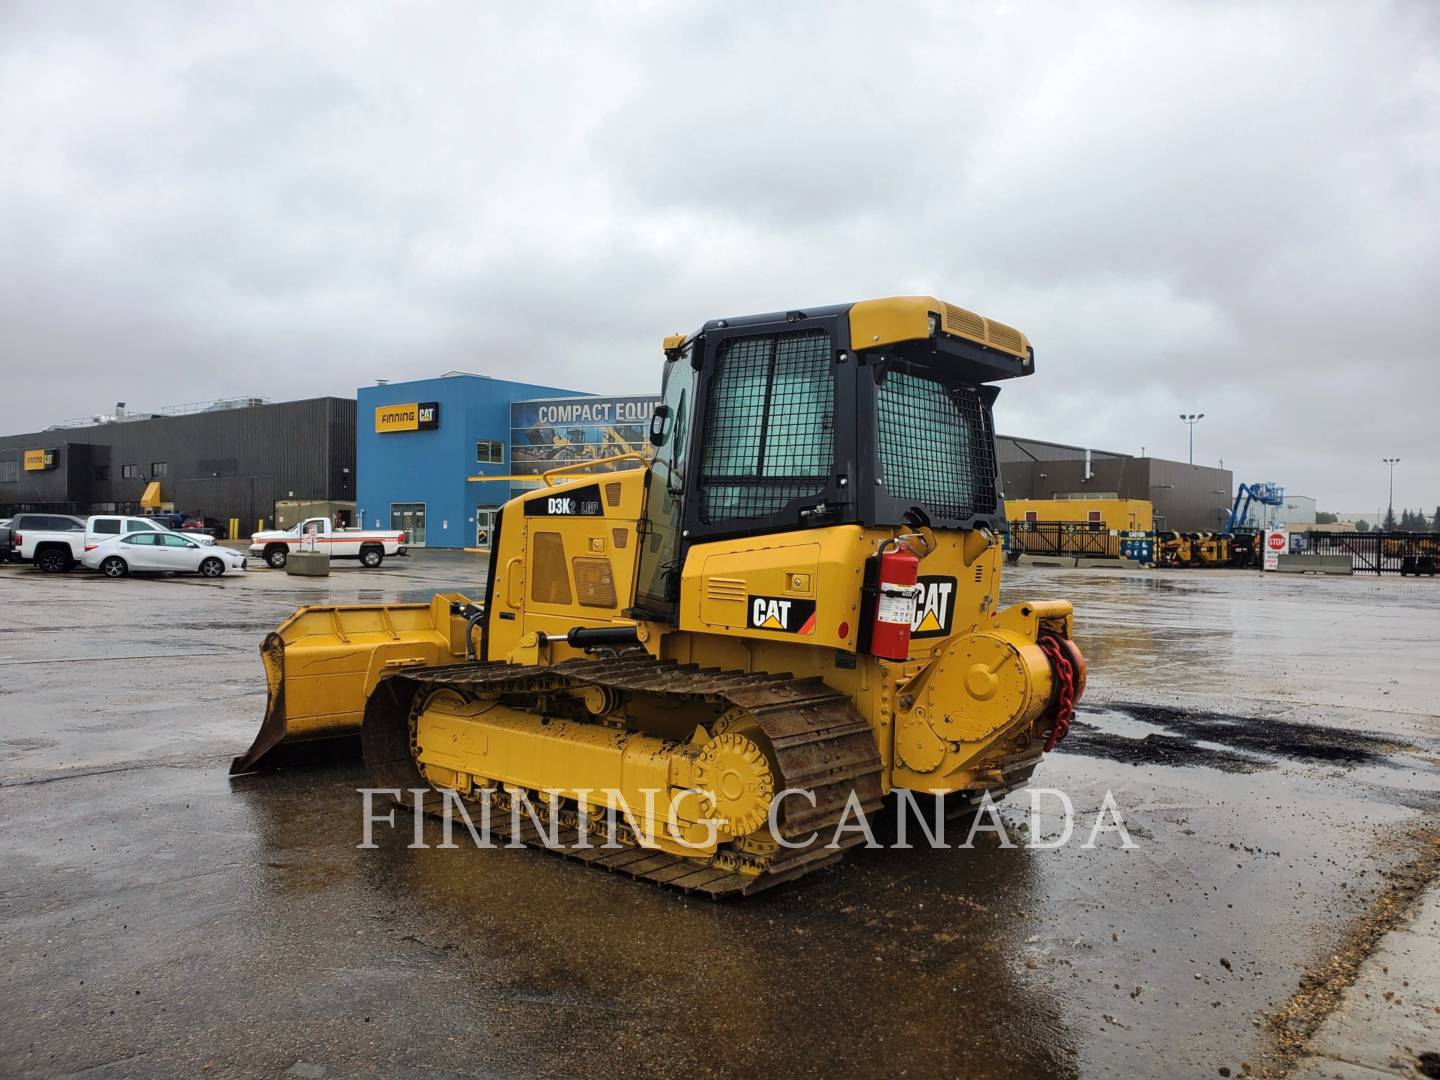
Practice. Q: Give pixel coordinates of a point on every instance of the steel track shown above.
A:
(818, 742)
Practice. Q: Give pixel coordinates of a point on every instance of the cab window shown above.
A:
(107, 527)
(770, 428)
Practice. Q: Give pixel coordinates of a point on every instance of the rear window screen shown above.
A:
(936, 448)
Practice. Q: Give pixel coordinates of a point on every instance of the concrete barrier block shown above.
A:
(1315, 564)
(1045, 560)
(308, 564)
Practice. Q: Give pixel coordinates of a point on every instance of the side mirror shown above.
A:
(658, 425)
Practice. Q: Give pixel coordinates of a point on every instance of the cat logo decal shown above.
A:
(935, 612)
(783, 614)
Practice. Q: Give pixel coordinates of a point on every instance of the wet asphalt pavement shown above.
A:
(1271, 742)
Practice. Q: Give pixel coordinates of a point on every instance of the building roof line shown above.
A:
(1018, 439)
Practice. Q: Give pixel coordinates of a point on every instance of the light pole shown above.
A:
(1191, 419)
(1390, 506)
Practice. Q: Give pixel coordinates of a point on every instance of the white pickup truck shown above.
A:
(53, 542)
(370, 546)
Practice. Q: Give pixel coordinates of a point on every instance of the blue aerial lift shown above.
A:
(1266, 494)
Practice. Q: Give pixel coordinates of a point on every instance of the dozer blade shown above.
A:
(322, 663)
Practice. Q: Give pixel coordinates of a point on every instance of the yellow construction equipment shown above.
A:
(1207, 549)
(1175, 549)
(782, 611)
(1212, 549)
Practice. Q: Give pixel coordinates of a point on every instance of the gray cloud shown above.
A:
(1224, 208)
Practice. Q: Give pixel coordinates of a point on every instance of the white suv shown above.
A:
(106, 525)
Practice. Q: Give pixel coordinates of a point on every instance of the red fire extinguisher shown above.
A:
(895, 597)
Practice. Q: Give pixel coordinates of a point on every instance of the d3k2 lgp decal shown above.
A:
(577, 502)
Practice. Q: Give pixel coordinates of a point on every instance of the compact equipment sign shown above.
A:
(39, 460)
(416, 416)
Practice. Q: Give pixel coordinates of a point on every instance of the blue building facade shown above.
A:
(418, 443)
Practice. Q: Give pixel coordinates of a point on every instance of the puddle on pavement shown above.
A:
(1118, 723)
(1164, 735)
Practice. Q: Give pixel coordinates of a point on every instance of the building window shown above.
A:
(489, 452)
(102, 472)
(158, 469)
(409, 518)
(9, 466)
(130, 472)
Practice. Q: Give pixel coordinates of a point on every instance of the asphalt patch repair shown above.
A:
(1224, 741)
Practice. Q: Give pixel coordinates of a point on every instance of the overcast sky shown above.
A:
(1227, 209)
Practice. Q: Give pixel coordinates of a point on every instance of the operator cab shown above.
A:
(877, 413)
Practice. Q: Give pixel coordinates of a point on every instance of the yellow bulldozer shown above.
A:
(1176, 549)
(784, 609)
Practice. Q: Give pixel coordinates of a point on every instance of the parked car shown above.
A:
(369, 546)
(211, 527)
(53, 542)
(115, 524)
(159, 552)
(5, 550)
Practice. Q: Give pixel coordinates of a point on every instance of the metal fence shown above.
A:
(1369, 553)
(1062, 538)
(1375, 552)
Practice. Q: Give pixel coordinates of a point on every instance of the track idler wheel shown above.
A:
(737, 783)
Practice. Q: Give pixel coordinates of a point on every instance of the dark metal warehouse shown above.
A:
(1186, 497)
(222, 459)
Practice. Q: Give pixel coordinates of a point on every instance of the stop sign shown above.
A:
(1276, 541)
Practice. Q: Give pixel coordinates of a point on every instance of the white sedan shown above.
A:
(158, 553)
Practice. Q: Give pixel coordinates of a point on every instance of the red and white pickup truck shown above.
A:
(370, 546)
